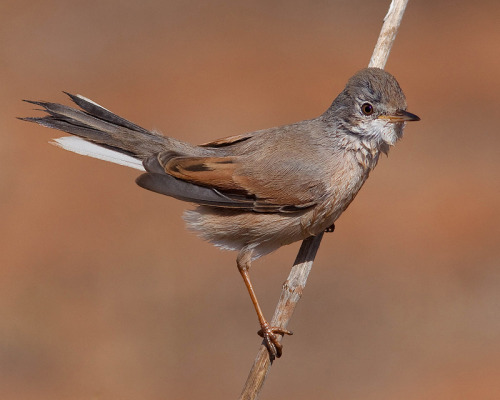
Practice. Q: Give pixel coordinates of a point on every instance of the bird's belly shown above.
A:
(265, 232)
(234, 230)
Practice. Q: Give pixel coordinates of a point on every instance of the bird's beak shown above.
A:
(400, 116)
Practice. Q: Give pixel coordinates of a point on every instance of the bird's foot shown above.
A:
(331, 228)
(269, 333)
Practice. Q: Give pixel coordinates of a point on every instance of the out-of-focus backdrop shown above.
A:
(104, 295)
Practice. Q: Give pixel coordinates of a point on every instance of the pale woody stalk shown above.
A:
(297, 279)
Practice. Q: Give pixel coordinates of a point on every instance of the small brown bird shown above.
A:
(257, 191)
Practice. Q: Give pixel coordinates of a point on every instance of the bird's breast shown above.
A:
(344, 185)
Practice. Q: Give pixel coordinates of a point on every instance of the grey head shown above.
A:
(372, 107)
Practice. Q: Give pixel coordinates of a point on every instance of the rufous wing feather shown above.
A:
(229, 140)
(217, 172)
(206, 180)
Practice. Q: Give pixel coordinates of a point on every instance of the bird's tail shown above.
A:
(99, 133)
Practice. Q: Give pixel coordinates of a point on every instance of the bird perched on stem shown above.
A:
(257, 191)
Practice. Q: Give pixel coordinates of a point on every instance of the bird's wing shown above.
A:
(229, 140)
(213, 181)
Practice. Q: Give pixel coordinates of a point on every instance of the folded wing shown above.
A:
(211, 181)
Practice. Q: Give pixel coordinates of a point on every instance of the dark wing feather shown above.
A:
(185, 191)
(192, 179)
(229, 140)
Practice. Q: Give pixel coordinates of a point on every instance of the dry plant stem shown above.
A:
(388, 33)
(294, 285)
(290, 296)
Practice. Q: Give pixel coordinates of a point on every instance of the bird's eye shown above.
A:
(367, 109)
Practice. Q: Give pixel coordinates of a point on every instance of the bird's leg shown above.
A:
(331, 228)
(267, 331)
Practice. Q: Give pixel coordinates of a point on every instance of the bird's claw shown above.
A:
(331, 228)
(269, 333)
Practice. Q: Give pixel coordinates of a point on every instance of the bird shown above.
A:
(253, 192)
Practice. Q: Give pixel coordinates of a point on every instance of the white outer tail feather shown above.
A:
(85, 148)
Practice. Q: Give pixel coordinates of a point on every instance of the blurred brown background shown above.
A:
(104, 295)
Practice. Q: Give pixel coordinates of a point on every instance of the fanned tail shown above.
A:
(102, 134)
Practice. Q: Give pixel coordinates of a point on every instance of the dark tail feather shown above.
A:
(104, 114)
(100, 126)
